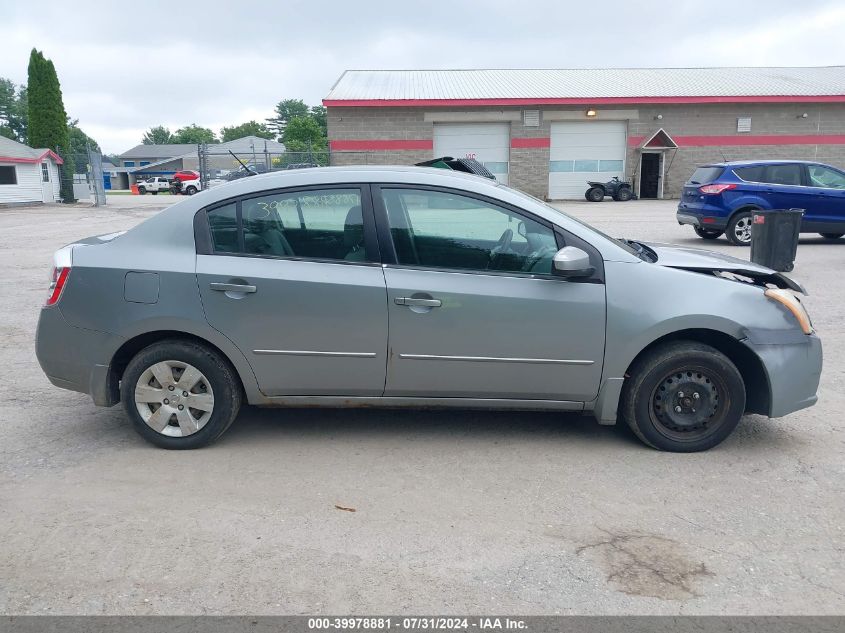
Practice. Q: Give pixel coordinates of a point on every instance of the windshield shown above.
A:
(622, 243)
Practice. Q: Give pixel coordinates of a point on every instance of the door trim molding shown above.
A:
(495, 359)
(295, 352)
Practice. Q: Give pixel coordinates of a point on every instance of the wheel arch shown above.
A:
(129, 348)
(754, 376)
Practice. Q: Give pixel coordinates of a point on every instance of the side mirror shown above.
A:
(572, 262)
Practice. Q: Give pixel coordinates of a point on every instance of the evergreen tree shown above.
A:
(47, 125)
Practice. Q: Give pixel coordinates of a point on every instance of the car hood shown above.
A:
(701, 260)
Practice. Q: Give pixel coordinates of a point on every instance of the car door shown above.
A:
(785, 188)
(292, 278)
(474, 310)
(827, 186)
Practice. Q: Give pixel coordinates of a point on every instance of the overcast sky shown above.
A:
(125, 67)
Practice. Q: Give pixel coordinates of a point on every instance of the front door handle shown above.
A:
(232, 287)
(413, 301)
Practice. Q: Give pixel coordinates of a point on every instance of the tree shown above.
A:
(79, 140)
(286, 110)
(47, 116)
(250, 128)
(304, 129)
(158, 135)
(195, 134)
(318, 113)
(13, 110)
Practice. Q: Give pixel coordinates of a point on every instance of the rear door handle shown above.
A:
(412, 301)
(232, 287)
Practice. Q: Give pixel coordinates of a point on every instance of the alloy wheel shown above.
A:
(742, 229)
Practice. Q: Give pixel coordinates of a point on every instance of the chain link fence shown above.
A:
(216, 164)
(81, 176)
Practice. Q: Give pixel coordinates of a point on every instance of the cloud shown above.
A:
(124, 69)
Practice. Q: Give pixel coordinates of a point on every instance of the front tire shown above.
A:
(683, 397)
(595, 194)
(739, 229)
(180, 394)
(142, 191)
(623, 195)
(191, 190)
(831, 236)
(707, 235)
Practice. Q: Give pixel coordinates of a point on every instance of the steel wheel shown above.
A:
(686, 405)
(174, 398)
(660, 404)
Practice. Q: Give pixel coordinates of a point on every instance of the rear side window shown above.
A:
(318, 224)
(751, 174)
(783, 175)
(224, 229)
(703, 175)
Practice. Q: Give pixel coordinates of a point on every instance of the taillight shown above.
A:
(62, 260)
(57, 284)
(716, 188)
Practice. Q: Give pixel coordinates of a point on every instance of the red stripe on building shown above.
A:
(434, 103)
(769, 139)
(51, 153)
(380, 144)
(520, 143)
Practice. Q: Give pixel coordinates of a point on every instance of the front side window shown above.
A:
(444, 230)
(825, 177)
(324, 224)
(8, 175)
(783, 174)
(45, 172)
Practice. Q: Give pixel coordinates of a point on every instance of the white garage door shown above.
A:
(488, 143)
(582, 151)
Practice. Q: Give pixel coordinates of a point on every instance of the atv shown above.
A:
(619, 190)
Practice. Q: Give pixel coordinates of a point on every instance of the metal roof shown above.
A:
(169, 150)
(175, 150)
(553, 85)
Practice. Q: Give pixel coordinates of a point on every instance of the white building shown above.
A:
(28, 175)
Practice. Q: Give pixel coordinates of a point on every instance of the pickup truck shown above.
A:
(153, 185)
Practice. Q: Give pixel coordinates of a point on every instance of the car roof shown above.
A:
(749, 163)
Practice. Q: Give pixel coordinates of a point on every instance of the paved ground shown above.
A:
(456, 512)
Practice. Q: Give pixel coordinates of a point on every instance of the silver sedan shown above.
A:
(416, 287)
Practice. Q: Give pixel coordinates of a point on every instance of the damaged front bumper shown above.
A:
(792, 361)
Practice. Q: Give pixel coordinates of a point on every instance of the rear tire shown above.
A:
(707, 235)
(683, 397)
(595, 194)
(624, 194)
(831, 236)
(172, 374)
(739, 229)
(191, 190)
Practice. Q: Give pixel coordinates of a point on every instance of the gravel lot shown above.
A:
(467, 512)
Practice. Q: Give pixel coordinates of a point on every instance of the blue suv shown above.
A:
(721, 197)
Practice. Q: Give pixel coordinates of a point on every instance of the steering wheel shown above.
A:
(501, 247)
